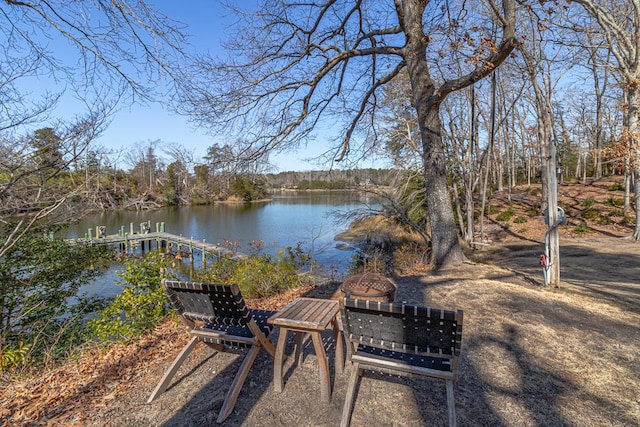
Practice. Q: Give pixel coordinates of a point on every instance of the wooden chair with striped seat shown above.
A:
(400, 338)
(217, 316)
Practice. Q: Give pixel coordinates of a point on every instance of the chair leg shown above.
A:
(350, 398)
(168, 375)
(236, 385)
(451, 404)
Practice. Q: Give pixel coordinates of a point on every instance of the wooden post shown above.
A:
(204, 254)
(550, 168)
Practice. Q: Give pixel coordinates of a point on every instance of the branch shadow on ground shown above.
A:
(526, 357)
(205, 404)
(584, 270)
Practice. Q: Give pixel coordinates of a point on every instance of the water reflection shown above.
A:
(288, 219)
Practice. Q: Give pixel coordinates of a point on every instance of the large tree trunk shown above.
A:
(426, 100)
(446, 249)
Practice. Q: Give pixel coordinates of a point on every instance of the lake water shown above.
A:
(308, 218)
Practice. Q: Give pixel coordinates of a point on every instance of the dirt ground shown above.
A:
(530, 356)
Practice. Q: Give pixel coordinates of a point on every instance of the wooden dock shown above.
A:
(178, 245)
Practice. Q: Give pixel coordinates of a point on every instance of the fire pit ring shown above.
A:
(370, 286)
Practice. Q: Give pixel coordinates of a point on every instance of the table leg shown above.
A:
(337, 339)
(323, 367)
(298, 353)
(279, 360)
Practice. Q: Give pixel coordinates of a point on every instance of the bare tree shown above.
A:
(296, 65)
(124, 50)
(122, 45)
(32, 187)
(539, 69)
(620, 23)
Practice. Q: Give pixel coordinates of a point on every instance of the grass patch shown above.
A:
(582, 228)
(532, 212)
(520, 219)
(591, 214)
(588, 202)
(628, 220)
(505, 215)
(615, 202)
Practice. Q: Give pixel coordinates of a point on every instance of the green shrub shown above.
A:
(591, 214)
(259, 275)
(14, 357)
(520, 220)
(581, 228)
(588, 202)
(615, 202)
(533, 212)
(137, 309)
(615, 187)
(628, 220)
(262, 276)
(505, 215)
(535, 191)
(42, 308)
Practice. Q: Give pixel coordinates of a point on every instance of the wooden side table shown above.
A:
(308, 316)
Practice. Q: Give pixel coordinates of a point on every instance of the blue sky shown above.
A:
(207, 24)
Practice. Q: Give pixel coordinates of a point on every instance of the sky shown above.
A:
(206, 22)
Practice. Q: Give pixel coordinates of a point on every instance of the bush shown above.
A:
(138, 308)
(505, 215)
(628, 220)
(615, 187)
(408, 257)
(14, 357)
(591, 214)
(615, 202)
(42, 311)
(533, 212)
(588, 202)
(581, 228)
(520, 220)
(259, 275)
